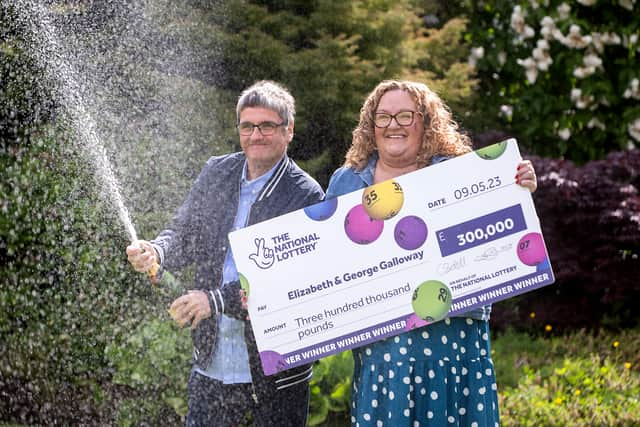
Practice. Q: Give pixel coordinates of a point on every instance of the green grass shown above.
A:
(579, 379)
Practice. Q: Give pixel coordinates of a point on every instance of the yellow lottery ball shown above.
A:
(384, 200)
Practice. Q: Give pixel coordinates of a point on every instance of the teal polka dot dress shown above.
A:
(438, 375)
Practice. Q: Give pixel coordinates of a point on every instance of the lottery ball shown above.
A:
(431, 300)
(323, 210)
(491, 152)
(244, 284)
(544, 265)
(410, 232)
(272, 362)
(531, 249)
(413, 321)
(360, 227)
(384, 200)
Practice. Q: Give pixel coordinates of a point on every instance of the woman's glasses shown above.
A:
(403, 118)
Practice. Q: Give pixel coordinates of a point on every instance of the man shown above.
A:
(231, 192)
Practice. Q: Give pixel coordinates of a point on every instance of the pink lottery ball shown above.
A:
(413, 321)
(361, 228)
(531, 249)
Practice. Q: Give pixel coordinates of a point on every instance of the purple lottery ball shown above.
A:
(544, 265)
(323, 210)
(410, 232)
(360, 227)
(272, 362)
(531, 249)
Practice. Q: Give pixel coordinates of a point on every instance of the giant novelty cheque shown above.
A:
(395, 256)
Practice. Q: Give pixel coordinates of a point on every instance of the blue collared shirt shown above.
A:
(230, 363)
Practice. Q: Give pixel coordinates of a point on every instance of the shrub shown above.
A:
(582, 392)
(580, 379)
(589, 217)
(64, 293)
(563, 76)
(331, 389)
(154, 360)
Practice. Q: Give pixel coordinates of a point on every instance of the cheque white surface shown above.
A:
(450, 237)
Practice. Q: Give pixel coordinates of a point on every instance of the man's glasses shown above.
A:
(403, 118)
(265, 128)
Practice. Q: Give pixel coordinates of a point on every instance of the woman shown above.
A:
(441, 374)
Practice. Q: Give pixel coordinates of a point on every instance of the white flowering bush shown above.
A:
(563, 76)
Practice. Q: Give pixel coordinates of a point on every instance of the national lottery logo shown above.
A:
(282, 248)
(263, 256)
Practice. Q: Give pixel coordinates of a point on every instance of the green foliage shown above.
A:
(47, 299)
(331, 389)
(559, 76)
(436, 58)
(153, 360)
(66, 291)
(580, 392)
(512, 351)
(332, 54)
(581, 379)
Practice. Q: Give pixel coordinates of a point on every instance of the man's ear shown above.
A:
(290, 132)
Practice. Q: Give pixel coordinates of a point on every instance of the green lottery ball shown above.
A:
(431, 300)
(244, 284)
(492, 152)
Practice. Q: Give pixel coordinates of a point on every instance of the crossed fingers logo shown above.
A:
(264, 256)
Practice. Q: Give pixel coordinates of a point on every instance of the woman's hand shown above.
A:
(526, 175)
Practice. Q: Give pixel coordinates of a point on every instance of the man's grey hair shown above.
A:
(270, 95)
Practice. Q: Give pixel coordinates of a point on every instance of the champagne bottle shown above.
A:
(170, 286)
(167, 284)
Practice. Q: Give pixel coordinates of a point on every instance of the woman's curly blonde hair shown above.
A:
(441, 135)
